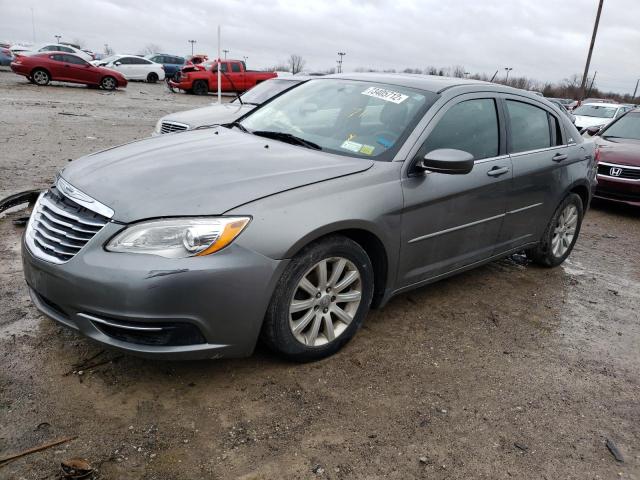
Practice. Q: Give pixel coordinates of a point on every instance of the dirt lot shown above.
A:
(509, 371)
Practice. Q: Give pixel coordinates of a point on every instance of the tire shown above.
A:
(557, 243)
(40, 77)
(321, 315)
(200, 87)
(108, 83)
(152, 77)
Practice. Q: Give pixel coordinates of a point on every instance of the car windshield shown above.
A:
(264, 91)
(627, 127)
(598, 111)
(347, 117)
(110, 59)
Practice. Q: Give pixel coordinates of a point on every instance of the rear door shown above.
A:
(539, 151)
(451, 221)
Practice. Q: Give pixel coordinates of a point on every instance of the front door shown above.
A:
(451, 221)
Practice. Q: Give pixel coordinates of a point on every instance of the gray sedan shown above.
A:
(290, 224)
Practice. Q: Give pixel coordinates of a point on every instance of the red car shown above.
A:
(41, 68)
(618, 156)
(203, 78)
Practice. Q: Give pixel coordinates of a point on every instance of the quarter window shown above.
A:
(471, 126)
(529, 127)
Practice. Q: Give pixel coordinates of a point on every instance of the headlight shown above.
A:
(179, 237)
(158, 127)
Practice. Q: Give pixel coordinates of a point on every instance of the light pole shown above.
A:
(58, 37)
(191, 42)
(466, 74)
(341, 54)
(225, 53)
(245, 59)
(508, 69)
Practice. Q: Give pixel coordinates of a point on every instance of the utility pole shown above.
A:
(341, 54)
(33, 25)
(494, 76)
(245, 59)
(635, 90)
(58, 37)
(225, 53)
(593, 79)
(191, 42)
(593, 41)
(508, 69)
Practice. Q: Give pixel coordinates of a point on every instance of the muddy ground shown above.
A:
(508, 371)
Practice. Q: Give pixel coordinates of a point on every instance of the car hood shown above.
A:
(586, 122)
(200, 173)
(211, 115)
(619, 151)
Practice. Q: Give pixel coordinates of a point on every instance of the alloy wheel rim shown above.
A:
(108, 83)
(325, 301)
(564, 231)
(40, 77)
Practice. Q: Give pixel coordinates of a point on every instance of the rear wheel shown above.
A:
(152, 77)
(561, 234)
(40, 77)
(108, 83)
(320, 301)
(200, 87)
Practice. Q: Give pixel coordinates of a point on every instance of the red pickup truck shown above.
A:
(203, 78)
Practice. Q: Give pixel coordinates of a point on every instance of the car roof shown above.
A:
(603, 104)
(431, 83)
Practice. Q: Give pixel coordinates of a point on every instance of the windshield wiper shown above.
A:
(288, 138)
(236, 124)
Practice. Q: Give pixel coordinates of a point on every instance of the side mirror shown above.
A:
(592, 131)
(117, 64)
(447, 160)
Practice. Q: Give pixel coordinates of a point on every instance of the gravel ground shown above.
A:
(508, 371)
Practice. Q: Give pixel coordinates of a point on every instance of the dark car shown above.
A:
(171, 63)
(618, 156)
(6, 57)
(41, 68)
(290, 223)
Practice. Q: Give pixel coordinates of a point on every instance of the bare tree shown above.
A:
(79, 42)
(296, 63)
(108, 51)
(458, 71)
(431, 70)
(278, 67)
(151, 48)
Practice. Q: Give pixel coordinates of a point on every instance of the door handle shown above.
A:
(558, 157)
(497, 171)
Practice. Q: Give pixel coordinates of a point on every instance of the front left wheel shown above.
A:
(152, 77)
(320, 301)
(109, 83)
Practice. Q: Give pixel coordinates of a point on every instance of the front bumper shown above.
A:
(222, 296)
(619, 190)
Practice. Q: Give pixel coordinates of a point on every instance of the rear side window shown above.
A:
(471, 126)
(235, 67)
(529, 127)
(75, 60)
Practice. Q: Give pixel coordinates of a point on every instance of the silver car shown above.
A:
(291, 223)
(217, 114)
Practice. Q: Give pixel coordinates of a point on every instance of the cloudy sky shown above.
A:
(543, 39)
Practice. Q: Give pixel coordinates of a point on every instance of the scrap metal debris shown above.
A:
(76, 468)
(29, 196)
(614, 451)
(10, 458)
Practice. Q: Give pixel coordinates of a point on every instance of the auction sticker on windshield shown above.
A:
(387, 95)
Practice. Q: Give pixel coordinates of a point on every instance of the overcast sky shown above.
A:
(543, 39)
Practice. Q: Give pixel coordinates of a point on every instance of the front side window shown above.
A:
(235, 67)
(471, 126)
(529, 127)
(347, 117)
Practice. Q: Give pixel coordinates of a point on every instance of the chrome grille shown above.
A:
(170, 127)
(59, 227)
(623, 171)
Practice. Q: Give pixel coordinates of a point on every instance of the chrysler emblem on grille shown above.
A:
(71, 191)
(615, 172)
